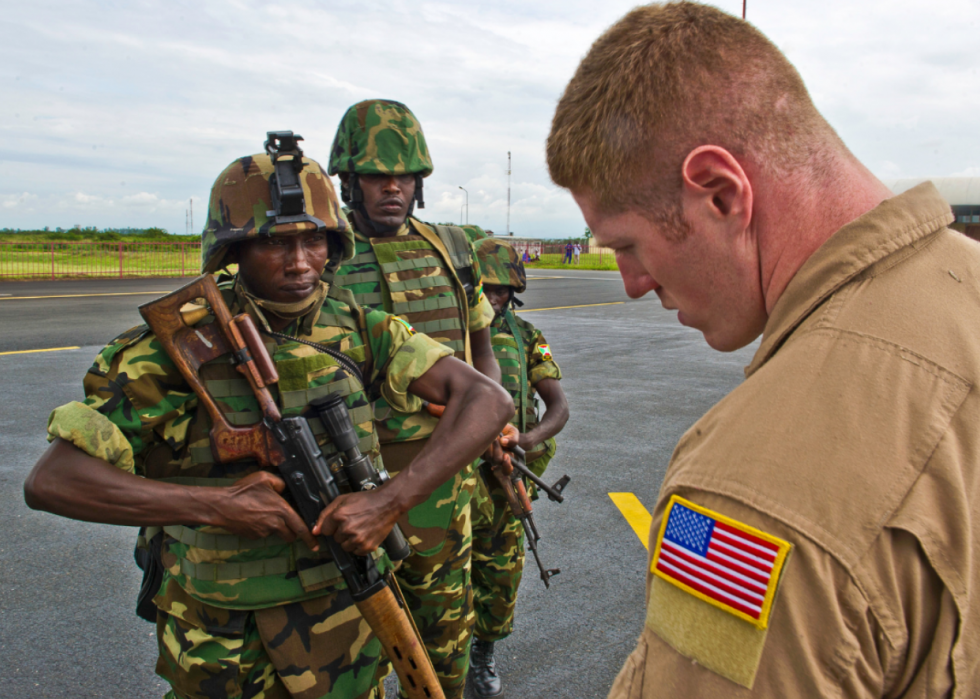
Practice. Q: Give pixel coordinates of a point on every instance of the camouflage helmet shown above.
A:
(241, 208)
(380, 137)
(500, 264)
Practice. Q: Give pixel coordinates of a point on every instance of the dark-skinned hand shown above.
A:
(254, 508)
(359, 522)
(498, 453)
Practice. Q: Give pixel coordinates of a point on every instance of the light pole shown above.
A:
(467, 203)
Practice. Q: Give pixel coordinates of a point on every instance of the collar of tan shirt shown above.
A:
(896, 223)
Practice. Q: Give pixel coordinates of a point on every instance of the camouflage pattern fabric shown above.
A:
(318, 649)
(240, 202)
(498, 564)
(439, 593)
(436, 578)
(539, 365)
(498, 537)
(500, 264)
(135, 387)
(366, 277)
(380, 137)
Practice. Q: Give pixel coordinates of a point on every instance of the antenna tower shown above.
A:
(508, 192)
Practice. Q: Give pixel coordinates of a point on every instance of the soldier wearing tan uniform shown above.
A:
(814, 531)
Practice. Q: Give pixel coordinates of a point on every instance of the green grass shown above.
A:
(37, 262)
(586, 261)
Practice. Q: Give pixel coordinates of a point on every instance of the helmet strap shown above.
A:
(418, 193)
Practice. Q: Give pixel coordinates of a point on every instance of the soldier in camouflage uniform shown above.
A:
(528, 369)
(248, 607)
(426, 274)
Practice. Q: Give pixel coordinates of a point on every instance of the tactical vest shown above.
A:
(417, 284)
(228, 570)
(510, 349)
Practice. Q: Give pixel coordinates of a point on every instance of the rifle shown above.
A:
(288, 445)
(517, 498)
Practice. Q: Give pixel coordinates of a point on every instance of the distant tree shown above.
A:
(588, 233)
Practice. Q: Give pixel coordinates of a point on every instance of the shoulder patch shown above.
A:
(411, 330)
(725, 563)
(545, 352)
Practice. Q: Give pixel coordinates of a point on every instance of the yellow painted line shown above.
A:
(635, 513)
(78, 296)
(561, 308)
(50, 349)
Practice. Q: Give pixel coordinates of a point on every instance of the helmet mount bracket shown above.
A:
(288, 201)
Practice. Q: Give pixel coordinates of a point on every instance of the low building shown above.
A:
(962, 193)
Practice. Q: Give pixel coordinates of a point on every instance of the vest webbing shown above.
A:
(509, 350)
(396, 255)
(232, 393)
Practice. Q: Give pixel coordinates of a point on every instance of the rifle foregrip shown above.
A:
(391, 625)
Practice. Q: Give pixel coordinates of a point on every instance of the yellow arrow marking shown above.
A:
(584, 305)
(50, 349)
(635, 513)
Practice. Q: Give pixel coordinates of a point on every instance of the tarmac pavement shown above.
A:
(635, 380)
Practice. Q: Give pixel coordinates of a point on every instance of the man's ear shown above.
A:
(716, 186)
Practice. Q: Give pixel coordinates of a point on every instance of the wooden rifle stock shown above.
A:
(189, 348)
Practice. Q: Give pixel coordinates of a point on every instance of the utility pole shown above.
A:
(743, 8)
(187, 222)
(508, 192)
(192, 214)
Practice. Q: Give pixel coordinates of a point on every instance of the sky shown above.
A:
(118, 114)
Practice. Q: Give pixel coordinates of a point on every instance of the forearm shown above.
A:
(68, 482)
(475, 413)
(555, 416)
(482, 352)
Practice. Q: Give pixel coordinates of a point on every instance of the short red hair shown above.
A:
(663, 80)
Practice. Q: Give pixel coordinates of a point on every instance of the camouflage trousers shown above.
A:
(316, 649)
(435, 580)
(498, 562)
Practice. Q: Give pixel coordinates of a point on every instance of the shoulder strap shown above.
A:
(460, 254)
(519, 339)
(457, 243)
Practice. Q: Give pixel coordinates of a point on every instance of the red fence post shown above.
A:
(52, 261)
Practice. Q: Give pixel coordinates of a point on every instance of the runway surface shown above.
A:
(635, 380)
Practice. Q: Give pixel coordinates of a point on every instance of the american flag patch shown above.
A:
(728, 564)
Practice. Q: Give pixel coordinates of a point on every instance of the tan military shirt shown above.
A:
(854, 439)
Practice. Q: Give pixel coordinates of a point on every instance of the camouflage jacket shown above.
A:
(521, 377)
(139, 415)
(409, 274)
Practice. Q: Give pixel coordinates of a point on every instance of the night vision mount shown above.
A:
(288, 202)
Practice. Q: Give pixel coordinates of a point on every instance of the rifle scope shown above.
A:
(360, 472)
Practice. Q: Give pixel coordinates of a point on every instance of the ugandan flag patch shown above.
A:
(545, 352)
(725, 563)
(411, 330)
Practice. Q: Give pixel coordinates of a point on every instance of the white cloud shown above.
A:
(122, 114)
(10, 201)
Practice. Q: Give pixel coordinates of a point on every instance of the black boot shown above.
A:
(483, 670)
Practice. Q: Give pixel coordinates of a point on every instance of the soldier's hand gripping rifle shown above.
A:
(516, 494)
(288, 445)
